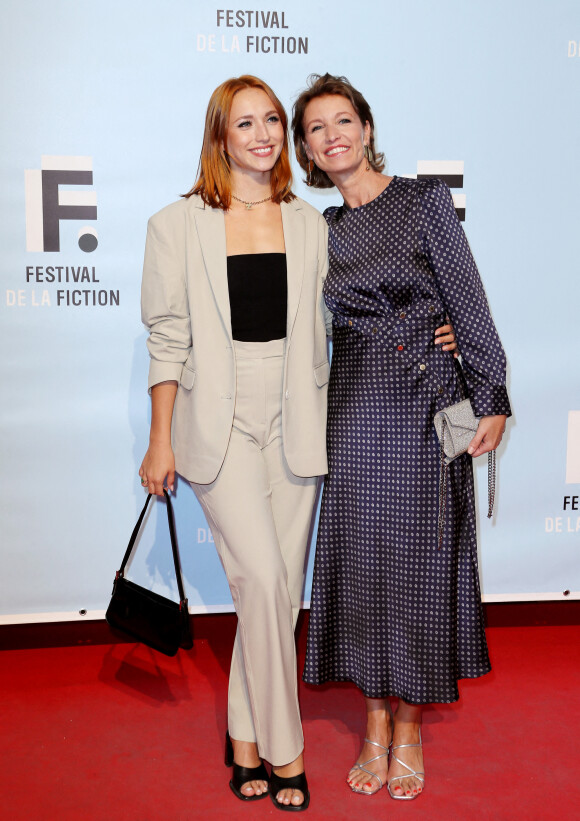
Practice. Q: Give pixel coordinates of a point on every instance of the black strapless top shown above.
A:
(258, 296)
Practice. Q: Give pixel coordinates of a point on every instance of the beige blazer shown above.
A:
(185, 306)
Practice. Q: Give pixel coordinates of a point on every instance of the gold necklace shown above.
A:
(249, 204)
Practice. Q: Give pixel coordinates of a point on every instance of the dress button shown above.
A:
(439, 390)
(431, 308)
(422, 367)
(402, 315)
(350, 322)
(375, 330)
(400, 348)
(287, 394)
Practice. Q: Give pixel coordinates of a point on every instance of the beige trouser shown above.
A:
(260, 515)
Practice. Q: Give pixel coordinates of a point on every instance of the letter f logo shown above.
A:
(573, 449)
(47, 205)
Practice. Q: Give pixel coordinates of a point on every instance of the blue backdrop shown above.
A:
(103, 108)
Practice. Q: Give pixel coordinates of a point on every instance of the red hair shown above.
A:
(214, 176)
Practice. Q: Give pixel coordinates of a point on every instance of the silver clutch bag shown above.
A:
(456, 426)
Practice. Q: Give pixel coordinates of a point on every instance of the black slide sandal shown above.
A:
(241, 775)
(295, 782)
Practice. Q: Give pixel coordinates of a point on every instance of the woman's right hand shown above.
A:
(488, 435)
(158, 468)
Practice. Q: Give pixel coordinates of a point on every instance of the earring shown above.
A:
(369, 156)
(309, 180)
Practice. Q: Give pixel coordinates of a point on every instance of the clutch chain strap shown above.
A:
(443, 474)
(442, 486)
(490, 482)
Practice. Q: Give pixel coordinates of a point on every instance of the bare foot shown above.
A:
(401, 781)
(379, 730)
(290, 796)
(246, 755)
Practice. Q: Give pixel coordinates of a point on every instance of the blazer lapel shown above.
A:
(210, 226)
(294, 239)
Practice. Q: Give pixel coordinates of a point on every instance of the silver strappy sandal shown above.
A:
(363, 767)
(419, 775)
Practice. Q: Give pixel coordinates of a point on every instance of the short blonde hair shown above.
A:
(320, 85)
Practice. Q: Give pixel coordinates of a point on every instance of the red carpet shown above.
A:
(120, 733)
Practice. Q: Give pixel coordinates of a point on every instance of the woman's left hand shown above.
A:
(445, 336)
(488, 435)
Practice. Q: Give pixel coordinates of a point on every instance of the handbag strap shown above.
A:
(443, 468)
(172, 536)
(490, 482)
(491, 475)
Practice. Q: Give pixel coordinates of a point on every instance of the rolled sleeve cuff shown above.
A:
(163, 372)
(491, 400)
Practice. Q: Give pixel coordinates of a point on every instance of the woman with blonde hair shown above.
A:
(396, 605)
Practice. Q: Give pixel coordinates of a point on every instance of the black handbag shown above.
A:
(144, 615)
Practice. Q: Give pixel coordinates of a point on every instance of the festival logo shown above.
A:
(253, 32)
(47, 204)
(569, 520)
(573, 449)
(451, 172)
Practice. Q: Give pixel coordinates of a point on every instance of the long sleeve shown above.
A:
(164, 305)
(445, 245)
(323, 271)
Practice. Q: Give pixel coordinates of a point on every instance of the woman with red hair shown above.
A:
(232, 285)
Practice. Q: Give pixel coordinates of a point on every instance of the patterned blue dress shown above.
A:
(389, 610)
